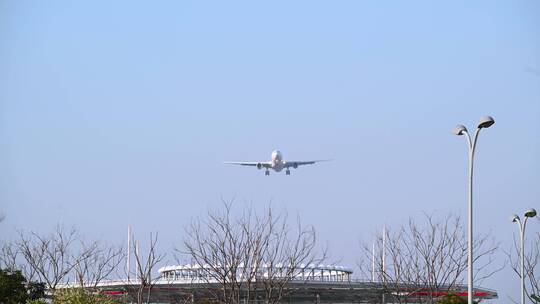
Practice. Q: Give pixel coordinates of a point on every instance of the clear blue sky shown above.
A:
(121, 112)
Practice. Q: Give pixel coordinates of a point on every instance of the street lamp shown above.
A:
(515, 218)
(485, 122)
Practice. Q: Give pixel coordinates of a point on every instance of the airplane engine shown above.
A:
(295, 166)
(259, 166)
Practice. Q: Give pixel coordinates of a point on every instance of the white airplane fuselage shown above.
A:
(277, 161)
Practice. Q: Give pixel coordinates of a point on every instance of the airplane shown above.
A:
(277, 163)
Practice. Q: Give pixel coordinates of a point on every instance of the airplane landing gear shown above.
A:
(266, 172)
(288, 172)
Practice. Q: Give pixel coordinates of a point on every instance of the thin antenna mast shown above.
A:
(137, 260)
(128, 252)
(383, 261)
(373, 263)
(384, 251)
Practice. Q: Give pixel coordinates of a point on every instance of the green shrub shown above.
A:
(452, 299)
(80, 296)
(38, 301)
(12, 287)
(35, 290)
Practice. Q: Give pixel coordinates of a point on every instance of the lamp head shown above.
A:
(459, 130)
(486, 122)
(514, 218)
(530, 213)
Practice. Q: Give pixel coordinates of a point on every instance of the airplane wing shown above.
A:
(253, 164)
(295, 164)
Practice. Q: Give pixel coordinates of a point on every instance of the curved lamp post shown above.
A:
(515, 218)
(485, 122)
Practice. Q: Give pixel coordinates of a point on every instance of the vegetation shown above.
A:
(53, 258)
(428, 255)
(79, 296)
(38, 301)
(15, 289)
(234, 246)
(532, 266)
(145, 264)
(35, 291)
(12, 287)
(452, 299)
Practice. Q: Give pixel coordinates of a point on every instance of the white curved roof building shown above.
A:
(311, 272)
(309, 284)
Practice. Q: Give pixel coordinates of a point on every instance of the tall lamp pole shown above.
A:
(485, 122)
(515, 218)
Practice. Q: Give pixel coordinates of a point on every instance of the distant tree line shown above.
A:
(428, 256)
(425, 258)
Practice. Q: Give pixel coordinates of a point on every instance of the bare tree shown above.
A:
(96, 262)
(421, 261)
(531, 265)
(286, 252)
(248, 254)
(145, 265)
(217, 245)
(50, 256)
(9, 256)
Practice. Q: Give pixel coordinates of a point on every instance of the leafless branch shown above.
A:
(531, 265)
(250, 256)
(145, 266)
(50, 256)
(428, 256)
(96, 262)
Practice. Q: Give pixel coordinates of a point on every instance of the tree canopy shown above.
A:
(12, 287)
(452, 299)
